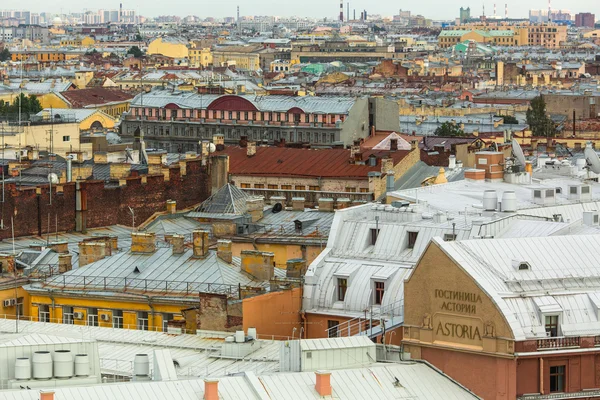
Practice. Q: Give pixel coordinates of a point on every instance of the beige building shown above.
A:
(242, 57)
(200, 57)
(169, 46)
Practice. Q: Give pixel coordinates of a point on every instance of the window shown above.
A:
(557, 379)
(300, 187)
(44, 313)
(314, 188)
(537, 194)
(412, 239)
(374, 234)
(286, 187)
(142, 320)
(273, 186)
(245, 185)
(551, 324)
(351, 189)
(342, 287)
(332, 328)
(165, 319)
(259, 186)
(117, 318)
(364, 190)
(92, 317)
(67, 315)
(379, 290)
(66, 138)
(449, 237)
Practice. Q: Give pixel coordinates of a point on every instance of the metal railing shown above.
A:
(365, 324)
(135, 285)
(586, 394)
(558, 342)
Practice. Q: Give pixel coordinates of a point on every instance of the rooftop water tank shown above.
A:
(252, 333)
(42, 365)
(490, 200)
(240, 337)
(22, 368)
(82, 365)
(509, 201)
(141, 365)
(580, 163)
(452, 162)
(63, 364)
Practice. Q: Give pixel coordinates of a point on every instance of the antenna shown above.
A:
(592, 158)
(518, 152)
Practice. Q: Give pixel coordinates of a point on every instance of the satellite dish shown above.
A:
(53, 178)
(211, 148)
(518, 152)
(277, 208)
(592, 158)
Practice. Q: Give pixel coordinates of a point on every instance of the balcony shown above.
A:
(559, 342)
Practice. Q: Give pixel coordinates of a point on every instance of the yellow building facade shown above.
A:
(169, 47)
(200, 57)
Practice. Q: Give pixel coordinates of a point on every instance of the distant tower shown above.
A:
(494, 9)
(484, 10)
(348, 11)
(120, 12)
(354, 19)
(239, 22)
(341, 10)
(506, 11)
(549, 12)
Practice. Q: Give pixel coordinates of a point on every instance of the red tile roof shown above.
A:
(283, 161)
(95, 96)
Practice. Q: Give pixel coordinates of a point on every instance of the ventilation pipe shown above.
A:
(63, 364)
(509, 201)
(22, 369)
(490, 200)
(82, 365)
(42, 365)
(452, 162)
(141, 367)
(69, 168)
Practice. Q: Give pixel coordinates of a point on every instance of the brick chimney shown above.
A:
(143, 242)
(157, 158)
(90, 252)
(200, 239)
(323, 384)
(7, 263)
(298, 203)
(219, 142)
(343, 202)
(65, 263)
(119, 170)
(46, 395)
(295, 268)
(387, 164)
(224, 250)
(258, 264)
(178, 243)
(325, 204)
(60, 247)
(251, 149)
(211, 389)
(100, 157)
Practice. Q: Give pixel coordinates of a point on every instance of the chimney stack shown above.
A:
(295, 268)
(65, 263)
(143, 242)
(224, 250)
(7, 263)
(200, 239)
(211, 389)
(323, 384)
(251, 149)
(171, 206)
(178, 243)
(258, 264)
(46, 395)
(325, 204)
(90, 252)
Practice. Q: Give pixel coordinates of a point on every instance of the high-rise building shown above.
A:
(585, 20)
(465, 14)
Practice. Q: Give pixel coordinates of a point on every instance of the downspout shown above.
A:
(151, 310)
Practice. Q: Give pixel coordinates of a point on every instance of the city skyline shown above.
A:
(308, 8)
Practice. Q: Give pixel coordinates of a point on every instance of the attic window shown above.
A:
(524, 266)
(412, 239)
(537, 194)
(573, 190)
(374, 234)
(449, 237)
(549, 192)
(585, 189)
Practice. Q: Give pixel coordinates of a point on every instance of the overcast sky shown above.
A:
(437, 9)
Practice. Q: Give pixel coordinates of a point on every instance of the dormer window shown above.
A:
(374, 235)
(524, 266)
(551, 325)
(412, 239)
(379, 291)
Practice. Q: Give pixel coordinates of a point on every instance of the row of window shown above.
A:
(296, 187)
(379, 290)
(69, 316)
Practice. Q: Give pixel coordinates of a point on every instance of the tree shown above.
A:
(449, 129)
(538, 120)
(138, 38)
(508, 119)
(5, 55)
(135, 51)
(29, 105)
(92, 52)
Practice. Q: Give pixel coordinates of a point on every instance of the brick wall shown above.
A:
(103, 205)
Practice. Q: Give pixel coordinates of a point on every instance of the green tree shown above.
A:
(5, 54)
(138, 38)
(135, 51)
(449, 129)
(538, 120)
(508, 119)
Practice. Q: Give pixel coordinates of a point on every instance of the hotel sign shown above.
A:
(457, 301)
(455, 319)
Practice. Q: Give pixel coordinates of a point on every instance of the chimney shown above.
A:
(323, 384)
(7, 263)
(178, 243)
(251, 149)
(295, 268)
(65, 263)
(46, 395)
(219, 142)
(60, 247)
(254, 207)
(354, 151)
(119, 170)
(343, 202)
(143, 242)
(90, 252)
(414, 144)
(387, 164)
(298, 203)
(211, 389)
(325, 204)
(224, 250)
(258, 264)
(156, 158)
(200, 244)
(393, 144)
(171, 206)
(100, 157)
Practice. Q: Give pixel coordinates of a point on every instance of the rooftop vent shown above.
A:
(521, 265)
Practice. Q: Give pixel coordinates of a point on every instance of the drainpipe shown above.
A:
(79, 218)
(151, 310)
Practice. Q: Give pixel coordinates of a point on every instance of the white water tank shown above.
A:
(82, 365)
(580, 163)
(240, 337)
(252, 333)
(509, 201)
(63, 364)
(490, 200)
(141, 365)
(22, 368)
(42, 365)
(452, 162)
